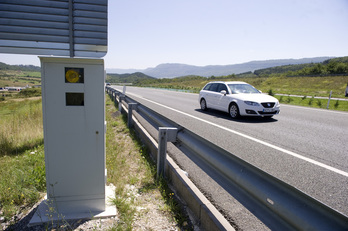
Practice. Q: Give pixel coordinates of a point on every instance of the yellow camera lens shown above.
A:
(72, 76)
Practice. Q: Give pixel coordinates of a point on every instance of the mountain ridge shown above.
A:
(172, 70)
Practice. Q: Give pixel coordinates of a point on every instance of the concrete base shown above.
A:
(46, 213)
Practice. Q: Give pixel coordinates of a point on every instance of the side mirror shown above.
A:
(223, 92)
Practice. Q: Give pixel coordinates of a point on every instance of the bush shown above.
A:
(30, 92)
(319, 103)
(310, 102)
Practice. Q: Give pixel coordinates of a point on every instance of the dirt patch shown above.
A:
(116, 114)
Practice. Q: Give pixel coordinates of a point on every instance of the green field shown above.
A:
(22, 166)
(309, 86)
(338, 105)
(13, 78)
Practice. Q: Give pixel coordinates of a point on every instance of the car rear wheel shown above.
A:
(234, 111)
(204, 105)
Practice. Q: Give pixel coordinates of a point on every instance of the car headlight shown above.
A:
(251, 103)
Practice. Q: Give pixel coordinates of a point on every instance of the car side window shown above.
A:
(222, 87)
(214, 87)
(207, 87)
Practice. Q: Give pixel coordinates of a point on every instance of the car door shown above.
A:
(223, 99)
(211, 96)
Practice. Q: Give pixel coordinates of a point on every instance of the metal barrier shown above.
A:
(292, 208)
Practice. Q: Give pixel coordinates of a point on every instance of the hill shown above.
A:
(171, 70)
(127, 78)
(335, 66)
(4, 66)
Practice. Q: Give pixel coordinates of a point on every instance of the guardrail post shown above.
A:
(121, 98)
(165, 134)
(131, 107)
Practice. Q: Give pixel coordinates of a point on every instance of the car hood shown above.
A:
(259, 98)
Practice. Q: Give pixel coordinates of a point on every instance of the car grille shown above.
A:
(268, 105)
(267, 113)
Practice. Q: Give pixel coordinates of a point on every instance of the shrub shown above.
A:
(310, 102)
(319, 103)
(270, 92)
(30, 92)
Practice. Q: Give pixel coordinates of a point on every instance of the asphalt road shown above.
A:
(306, 148)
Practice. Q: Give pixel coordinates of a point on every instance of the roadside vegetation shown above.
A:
(22, 168)
(314, 102)
(306, 87)
(305, 80)
(139, 196)
(309, 86)
(19, 75)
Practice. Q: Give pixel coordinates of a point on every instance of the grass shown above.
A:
(314, 102)
(25, 93)
(133, 173)
(12, 78)
(318, 86)
(303, 86)
(20, 126)
(22, 181)
(22, 167)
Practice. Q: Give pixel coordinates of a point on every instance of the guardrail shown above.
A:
(286, 206)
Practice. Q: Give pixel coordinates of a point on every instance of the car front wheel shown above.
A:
(203, 105)
(234, 111)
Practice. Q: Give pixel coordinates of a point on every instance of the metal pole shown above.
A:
(131, 107)
(121, 98)
(328, 102)
(162, 151)
(165, 134)
(71, 28)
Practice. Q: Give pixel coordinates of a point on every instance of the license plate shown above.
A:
(268, 110)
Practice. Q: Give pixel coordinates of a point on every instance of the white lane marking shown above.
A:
(252, 138)
(315, 109)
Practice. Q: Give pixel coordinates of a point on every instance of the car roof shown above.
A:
(229, 82)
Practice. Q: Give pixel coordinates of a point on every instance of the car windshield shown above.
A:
(242, 88)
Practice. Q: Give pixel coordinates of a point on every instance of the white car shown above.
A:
(238, 99)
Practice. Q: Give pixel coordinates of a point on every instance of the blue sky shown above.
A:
(205, 32)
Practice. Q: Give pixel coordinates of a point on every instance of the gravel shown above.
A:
(151, 215)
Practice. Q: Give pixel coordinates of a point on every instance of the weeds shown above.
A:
(288, 99)
(22, 166)
(129, 165)
(20, 126)
(337, 104)
(22, 180)
(310, 102)
(314, 102)
(132, 171)
(270, 92)
(319, 103)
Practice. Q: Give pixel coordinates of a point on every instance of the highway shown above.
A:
(306, 148)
